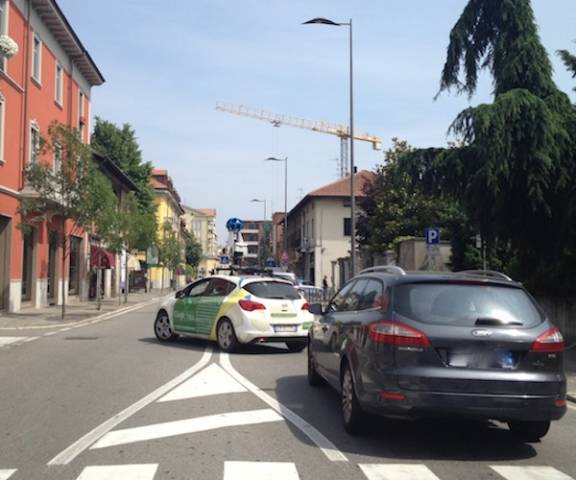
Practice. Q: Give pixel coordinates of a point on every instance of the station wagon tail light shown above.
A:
(250, 306)
(305, 306)
(549, 342)
(398, 334)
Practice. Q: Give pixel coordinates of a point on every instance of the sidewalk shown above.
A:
(50, 317)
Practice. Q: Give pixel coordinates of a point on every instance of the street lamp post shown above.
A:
(285, 239)
(258, 200)
(325, 21)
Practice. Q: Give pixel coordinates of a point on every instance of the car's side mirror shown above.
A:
(316, 309)
(180, 294)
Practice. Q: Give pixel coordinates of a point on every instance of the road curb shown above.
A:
(571, 397)
(89, 320)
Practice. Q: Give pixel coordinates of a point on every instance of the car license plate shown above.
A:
(285, 328)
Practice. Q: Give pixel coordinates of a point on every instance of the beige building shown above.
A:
(319, 230)
(201, 222)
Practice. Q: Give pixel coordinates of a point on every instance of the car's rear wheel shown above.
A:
(296, 346)
(529, 431)
(355, 419)
(314, 378)
(163, 329)
(226, 336)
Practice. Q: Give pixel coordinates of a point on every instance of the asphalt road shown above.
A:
(108, 402)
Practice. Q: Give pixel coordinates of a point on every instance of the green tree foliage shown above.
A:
(192, 250)
(169, 249)
(392, 207)
(514, 173)
(74, 191)
(121, 146)
(570, 62)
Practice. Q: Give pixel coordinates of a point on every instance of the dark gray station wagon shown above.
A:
(472, 344)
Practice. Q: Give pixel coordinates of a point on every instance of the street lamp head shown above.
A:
(257, 200)
(274, 159)
(320, 20)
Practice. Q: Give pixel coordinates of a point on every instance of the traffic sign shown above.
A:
(432, 236)
(224, 260)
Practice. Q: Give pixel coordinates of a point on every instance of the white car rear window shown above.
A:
(272, 290)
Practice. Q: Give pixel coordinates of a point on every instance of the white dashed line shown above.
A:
(119, 472)
(529, 473)
(384, 471)
(260, 471)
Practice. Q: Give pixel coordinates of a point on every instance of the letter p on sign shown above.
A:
(432, 236)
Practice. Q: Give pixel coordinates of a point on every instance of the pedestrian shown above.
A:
(325, 286)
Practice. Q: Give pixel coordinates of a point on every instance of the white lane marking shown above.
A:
(10, 340)
(119, 472)
(327, 447)
(210, 381)
(260, 471)
(529, 473)
(30, 339)
(6, 474)
(70, 453)
(190, 425)
(383, 471)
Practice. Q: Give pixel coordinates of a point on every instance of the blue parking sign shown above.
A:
(432, 236)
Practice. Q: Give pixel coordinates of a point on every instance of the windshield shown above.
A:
(466, 305)
(277, 290)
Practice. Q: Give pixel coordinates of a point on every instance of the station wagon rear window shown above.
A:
(272, 290)
(466, 305)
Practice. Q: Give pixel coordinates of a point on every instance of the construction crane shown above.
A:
(278, 119)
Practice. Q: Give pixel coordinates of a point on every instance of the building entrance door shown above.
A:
(52, 252)
(4, 262)
(27, 265)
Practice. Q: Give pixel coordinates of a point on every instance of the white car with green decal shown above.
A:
(236, 310)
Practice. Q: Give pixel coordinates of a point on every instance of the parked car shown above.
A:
(472, 344)
(234, 311)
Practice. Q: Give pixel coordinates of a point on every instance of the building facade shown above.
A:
(319, 230)
(49, 79)
(201, 222)
(257, 238)
(168, 217)
(277, 236)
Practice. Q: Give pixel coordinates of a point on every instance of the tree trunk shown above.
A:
(98, 288)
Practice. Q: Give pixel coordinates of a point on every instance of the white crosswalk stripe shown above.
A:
(190, 425)
(213, 380)
(6, 474)
(119, 472)
(260, 471)
(529, 473)
(385, 471)
(4, 341)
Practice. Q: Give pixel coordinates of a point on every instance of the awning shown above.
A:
(133, 263)
(99, 257)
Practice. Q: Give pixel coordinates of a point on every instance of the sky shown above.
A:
(168, 62)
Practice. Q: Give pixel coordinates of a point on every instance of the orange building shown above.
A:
(48, 79)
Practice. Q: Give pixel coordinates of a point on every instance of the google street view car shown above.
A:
(236, 310)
